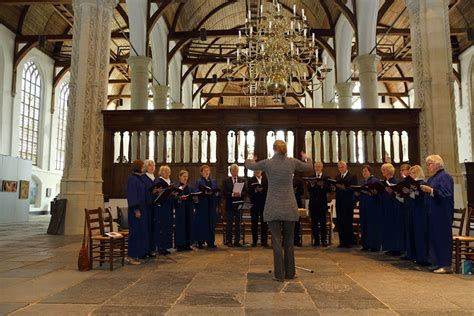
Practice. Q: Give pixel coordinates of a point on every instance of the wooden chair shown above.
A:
(463, 245)
(329, 224)
(122, 213)
(103, 248)
(356, 225)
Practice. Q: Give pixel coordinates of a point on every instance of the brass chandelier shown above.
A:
(277, 55)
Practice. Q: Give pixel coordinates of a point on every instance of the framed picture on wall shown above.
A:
(24, 189)
(9, 186)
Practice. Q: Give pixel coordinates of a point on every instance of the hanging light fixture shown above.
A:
(276, 54)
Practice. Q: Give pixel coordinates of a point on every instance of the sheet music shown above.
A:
(238, 187)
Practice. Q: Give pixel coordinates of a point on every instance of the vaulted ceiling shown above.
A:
(47, 25)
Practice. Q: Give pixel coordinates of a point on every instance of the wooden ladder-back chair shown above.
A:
(109, 220)
(463, 244)
(329, 223)
(103, 248)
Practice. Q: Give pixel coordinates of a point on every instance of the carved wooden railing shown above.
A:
(188, 138)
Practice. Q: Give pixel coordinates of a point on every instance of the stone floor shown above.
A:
(38, 276)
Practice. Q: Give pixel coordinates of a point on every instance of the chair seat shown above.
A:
(123, 232)
(463, 238)
(107, 237)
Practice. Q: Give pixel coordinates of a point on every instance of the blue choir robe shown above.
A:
(419, 219)
(370, 218)
(408, 210)
(205, 216)
(440, 215)
(184, 212)
(138, 238)
(392, 221)
(163, 224)
(149, 183)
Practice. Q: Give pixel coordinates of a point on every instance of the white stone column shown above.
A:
(344, 93)
(343, 38)
(139, 68)
(367, 65)
(367, 60)
(160, 96)
(81, 184)
(433, 80)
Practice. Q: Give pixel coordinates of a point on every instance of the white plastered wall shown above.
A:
(10, 116)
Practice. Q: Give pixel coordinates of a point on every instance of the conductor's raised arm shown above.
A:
(252, 164)
(305, 164)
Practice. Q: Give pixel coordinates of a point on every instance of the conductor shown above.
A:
(281, 210)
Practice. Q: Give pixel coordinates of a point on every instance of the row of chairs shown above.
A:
(246, 226)
(105, 245)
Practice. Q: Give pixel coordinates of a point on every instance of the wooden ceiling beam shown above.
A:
(156, 16)
(383, 9)
(221, 60)
(323, 32)
(59, 37)
(406, 31)
(240, 94)
(33, 2)
(387, 79)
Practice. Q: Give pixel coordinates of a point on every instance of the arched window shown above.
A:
(62, 120)
(30, 112)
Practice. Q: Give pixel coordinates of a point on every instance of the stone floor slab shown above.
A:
(10, 307)
(56, 309)
(130, 310)
(182, 310)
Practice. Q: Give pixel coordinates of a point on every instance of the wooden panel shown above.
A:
(260, 121)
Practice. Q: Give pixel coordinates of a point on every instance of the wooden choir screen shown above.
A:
(188, 138)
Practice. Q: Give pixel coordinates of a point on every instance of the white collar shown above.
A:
(259, 179)
(151, 176)
(343, 175)
(166, 180)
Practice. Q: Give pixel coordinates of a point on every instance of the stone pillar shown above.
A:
(160, 96)
(344, 93)
(139, 66)
(368, 80)
(81, 184)
(433, 81)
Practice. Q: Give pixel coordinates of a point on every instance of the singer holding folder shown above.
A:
(233, 190)
(281, 210)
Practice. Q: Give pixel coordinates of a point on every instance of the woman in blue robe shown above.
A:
(184, 212)
(163, 225)
(205, 217)
(419, 220)
(138, 238)
(392, 218)
(150, 180)
(440, 189)
(369, 208)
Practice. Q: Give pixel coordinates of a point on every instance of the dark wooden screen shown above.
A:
(329, 133)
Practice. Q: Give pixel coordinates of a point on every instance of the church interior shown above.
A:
(90, 87)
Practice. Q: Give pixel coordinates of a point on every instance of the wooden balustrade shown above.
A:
(188, 138)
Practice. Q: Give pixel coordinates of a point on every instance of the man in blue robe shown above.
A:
(440, 207)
